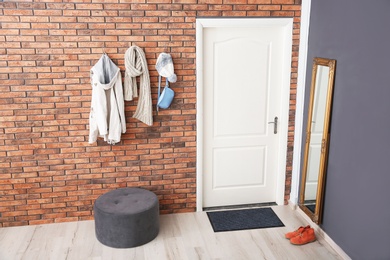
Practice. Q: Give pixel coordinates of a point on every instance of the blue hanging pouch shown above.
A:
(165, 99)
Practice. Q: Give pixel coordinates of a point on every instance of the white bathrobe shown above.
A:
(107, 116)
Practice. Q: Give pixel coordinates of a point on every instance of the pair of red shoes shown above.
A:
(301, 236)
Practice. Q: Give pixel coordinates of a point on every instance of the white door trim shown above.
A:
(300, 99)
(287, 24)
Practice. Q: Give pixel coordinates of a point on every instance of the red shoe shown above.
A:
(294, 233)
(305, 237)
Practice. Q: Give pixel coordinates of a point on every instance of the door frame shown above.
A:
(300, 101)
(287, 25)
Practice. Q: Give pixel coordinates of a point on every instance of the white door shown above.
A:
(242, 80)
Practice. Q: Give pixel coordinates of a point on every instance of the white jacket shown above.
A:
(107, 116)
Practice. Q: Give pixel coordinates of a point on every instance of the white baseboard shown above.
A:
(323, 235)
(292, 205)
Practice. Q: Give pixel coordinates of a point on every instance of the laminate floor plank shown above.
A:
(14, 241)
(184, 236)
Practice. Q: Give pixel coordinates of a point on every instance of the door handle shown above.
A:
(275, 122)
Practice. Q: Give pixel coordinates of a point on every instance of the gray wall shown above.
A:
(357, 202)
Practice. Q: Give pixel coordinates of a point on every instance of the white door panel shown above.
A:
(236, 82)
(235, 160)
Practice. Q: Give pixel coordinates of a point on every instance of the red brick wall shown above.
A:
(48, 171)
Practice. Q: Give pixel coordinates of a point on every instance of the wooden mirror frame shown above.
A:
(316, 216)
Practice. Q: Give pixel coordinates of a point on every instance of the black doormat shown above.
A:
(231, 220)
(312, 207)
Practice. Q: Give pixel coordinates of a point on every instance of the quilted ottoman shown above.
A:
(126, 217)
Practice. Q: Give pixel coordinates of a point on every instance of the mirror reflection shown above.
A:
(317, 125)
(317, 138)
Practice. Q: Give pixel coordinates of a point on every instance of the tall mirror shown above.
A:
(317, 139)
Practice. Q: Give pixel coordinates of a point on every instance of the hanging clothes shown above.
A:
(136, 65)
(107, 116)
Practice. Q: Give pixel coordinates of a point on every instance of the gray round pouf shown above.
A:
(126, 217)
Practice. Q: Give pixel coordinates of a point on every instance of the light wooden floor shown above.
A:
(182, 236)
